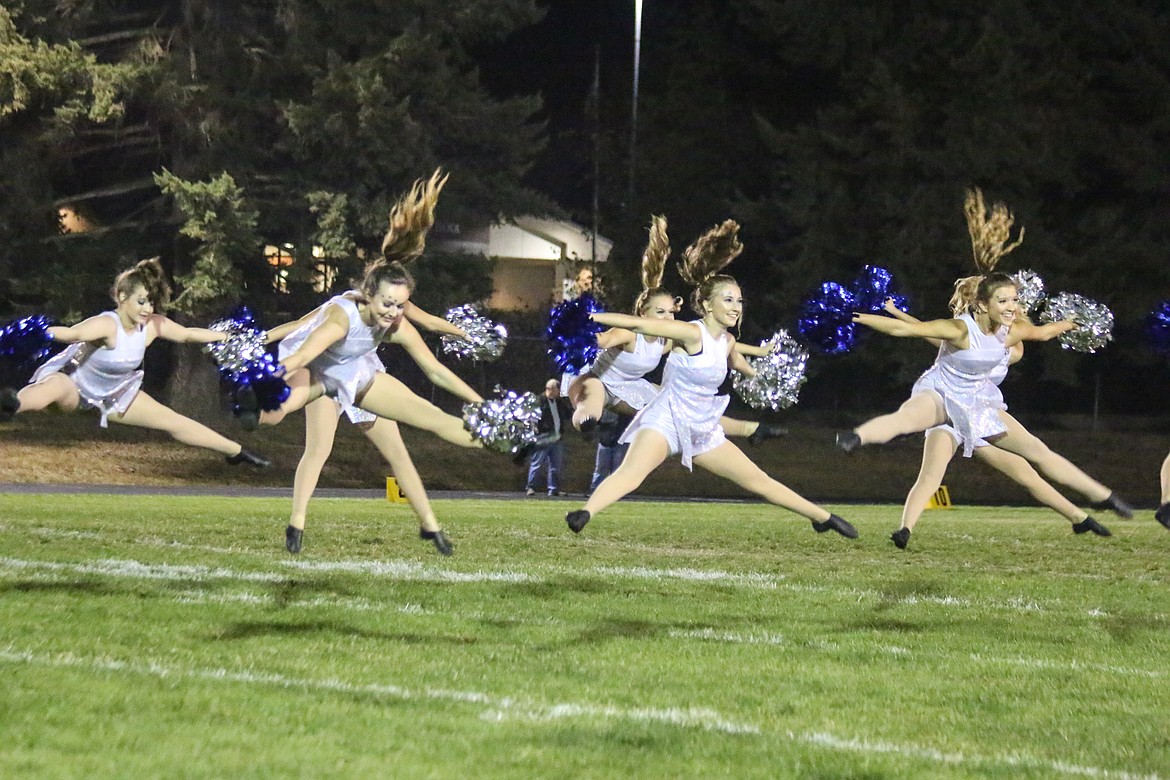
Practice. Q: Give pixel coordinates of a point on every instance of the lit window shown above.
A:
(279, 259)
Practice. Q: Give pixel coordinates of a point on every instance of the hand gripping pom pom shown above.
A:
(243, 360)
(826, 319)
(873, 287)
(1158, 328)
(485, 339)
(779, 375)
(571, 335)
(1030, 288)
(26, 340)
(1094, 321)
(504, 424)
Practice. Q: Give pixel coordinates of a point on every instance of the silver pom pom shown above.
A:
(485, 339)
(1094, 320)
(779, 375)
(244, 346)
(504, 424)
(1030, 288)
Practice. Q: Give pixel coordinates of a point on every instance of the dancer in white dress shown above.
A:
(347, 376)
(1162, 514)
(683, 419)
(958, 388)
(102, 367)
(940, 444)
(616, 378)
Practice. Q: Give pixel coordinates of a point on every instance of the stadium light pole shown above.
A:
(634, 107)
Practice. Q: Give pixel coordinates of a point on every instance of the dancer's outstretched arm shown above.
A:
(97, 328)
(333, 329)
(280, 331)
(408, 337)
(169, 330)
(951, 331)
(1022, 330)
(686, 334)
(430, 322)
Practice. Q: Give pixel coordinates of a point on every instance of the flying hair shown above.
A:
(411, 217)
(706, 257)
(990, 232)
(653, 264)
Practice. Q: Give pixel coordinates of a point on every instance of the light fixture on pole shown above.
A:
(634, 107)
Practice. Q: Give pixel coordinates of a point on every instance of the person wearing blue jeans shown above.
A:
(549, 451)
(609, 452)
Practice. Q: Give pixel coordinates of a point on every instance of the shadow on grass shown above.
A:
(271, 628)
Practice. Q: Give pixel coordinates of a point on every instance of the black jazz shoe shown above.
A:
(1089, 524)
(577, 520)
(901, 538)
(835, 523)
(1163, 515)
(1116, 504)
(766, 431)
(589, 428)
(292, 539)
(439, 539)
(249, 457)
(9, 404)
(848, 441)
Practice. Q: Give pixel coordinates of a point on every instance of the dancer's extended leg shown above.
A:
(1056, 467)
(729, 462)
(646, 453)
(937, 451)
(145, 412)
(919, 413)
(387, 397)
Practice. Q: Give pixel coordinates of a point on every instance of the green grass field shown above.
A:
(174, 637)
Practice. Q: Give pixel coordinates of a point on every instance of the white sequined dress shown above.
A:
(107, 378)
(687, 409)
(349, 364)
(963, 378)
(623, 373)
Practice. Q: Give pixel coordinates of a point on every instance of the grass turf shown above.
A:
(152, 636)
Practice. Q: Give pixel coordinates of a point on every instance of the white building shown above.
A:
(535, 258)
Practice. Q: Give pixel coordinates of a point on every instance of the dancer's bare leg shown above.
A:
(1021, 471)
(54, 389)
(1166, 481)
(587, 395)
(729, 462)
(738, 428)
(320, 431)
(388, 439)
(1020, 441)
(921, 412)
(145, 412)
(937, 451)
(646, 453)
(389, 398)
(302, 392)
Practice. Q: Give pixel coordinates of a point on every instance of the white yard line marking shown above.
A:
(498, 708)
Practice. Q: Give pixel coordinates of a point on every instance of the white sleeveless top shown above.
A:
(349, 364)
(687, 409)
(107, 378)
(963, 379)
(622, 372)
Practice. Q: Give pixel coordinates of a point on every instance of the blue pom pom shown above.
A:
(571, 335)
(1158, 328)
(826, 319)
(873, 287)
(266, 377)
(26, 340)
